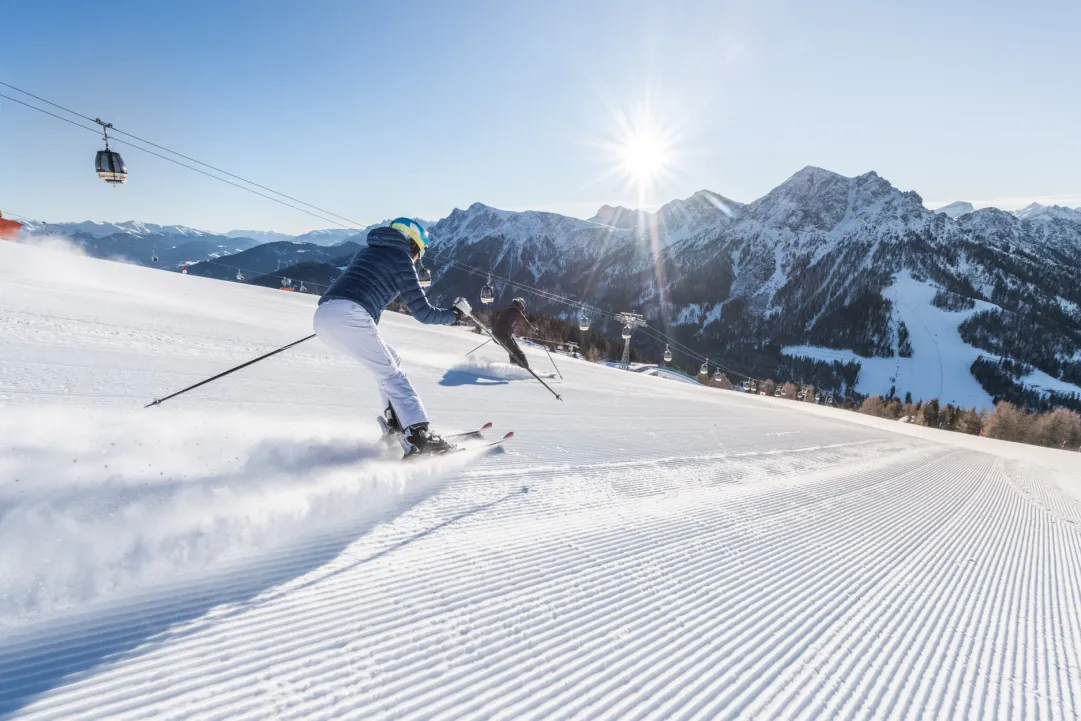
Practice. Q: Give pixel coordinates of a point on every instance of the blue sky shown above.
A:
(375, 110)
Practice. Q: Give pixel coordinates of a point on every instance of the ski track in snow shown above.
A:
(646, 549)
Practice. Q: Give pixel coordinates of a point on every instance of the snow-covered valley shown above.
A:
(645, 549)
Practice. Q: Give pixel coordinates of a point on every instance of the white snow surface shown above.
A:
(644, 549)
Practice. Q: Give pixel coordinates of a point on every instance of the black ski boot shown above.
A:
(417, 440)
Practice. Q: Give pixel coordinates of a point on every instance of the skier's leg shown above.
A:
(348, 328)
(516, 353)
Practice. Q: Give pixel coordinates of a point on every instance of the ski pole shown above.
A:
(159, 401)
(553, 360)
(480, 346)
(497, 341)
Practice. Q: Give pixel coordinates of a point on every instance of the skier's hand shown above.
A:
(462, 309)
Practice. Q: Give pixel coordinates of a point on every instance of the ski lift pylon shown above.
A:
(110, 166)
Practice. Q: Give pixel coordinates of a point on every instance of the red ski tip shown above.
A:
(509, 434)
(486, 426)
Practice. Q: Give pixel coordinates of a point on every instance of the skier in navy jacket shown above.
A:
(348, 315)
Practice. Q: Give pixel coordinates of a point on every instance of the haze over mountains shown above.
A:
(774, 287)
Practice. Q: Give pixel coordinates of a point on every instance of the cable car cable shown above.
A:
(177, 162)
(180, 155)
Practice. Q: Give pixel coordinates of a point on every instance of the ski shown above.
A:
(390, 435)
(485, 446)
(478, 433)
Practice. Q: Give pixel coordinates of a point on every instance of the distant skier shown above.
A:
(512, 320)
(348, 315)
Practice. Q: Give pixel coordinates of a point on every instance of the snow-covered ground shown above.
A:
(644, 549)
(940, 362)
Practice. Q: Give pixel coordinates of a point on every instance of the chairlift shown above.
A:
(184, 270)
(239, 275)
(303, 288)
(829, 399)
(487, 294)
(583, 320)
(818, 397)
(627, 331)
(287, 283)
(667, 355)
(717, 375)
(746, 386)
(154, 257)
(704, 370)
(109, 164)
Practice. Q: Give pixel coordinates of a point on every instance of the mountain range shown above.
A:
(804, 283)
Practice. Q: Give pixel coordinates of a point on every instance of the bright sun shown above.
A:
(643, 156)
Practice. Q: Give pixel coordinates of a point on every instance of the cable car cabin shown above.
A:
(487, 294)
(111, 167)
(627, 331)
(424, 276)
(9, 229)
(583, 322)
(667, 355)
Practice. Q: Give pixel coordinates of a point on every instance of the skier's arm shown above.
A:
(413, 295)
(520, 321)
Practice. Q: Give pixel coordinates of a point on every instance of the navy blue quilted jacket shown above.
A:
(380, 273)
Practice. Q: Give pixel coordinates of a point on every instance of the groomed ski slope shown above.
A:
(645, 549)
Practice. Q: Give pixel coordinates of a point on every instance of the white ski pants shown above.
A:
(348, 328)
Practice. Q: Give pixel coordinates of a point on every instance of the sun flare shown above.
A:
(644, 156)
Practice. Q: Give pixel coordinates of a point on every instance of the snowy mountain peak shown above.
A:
(616, 216)
(1038, 212)
(263, 236)
(332, 236)
(821, 200)
(99, 229)
(956, 209)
